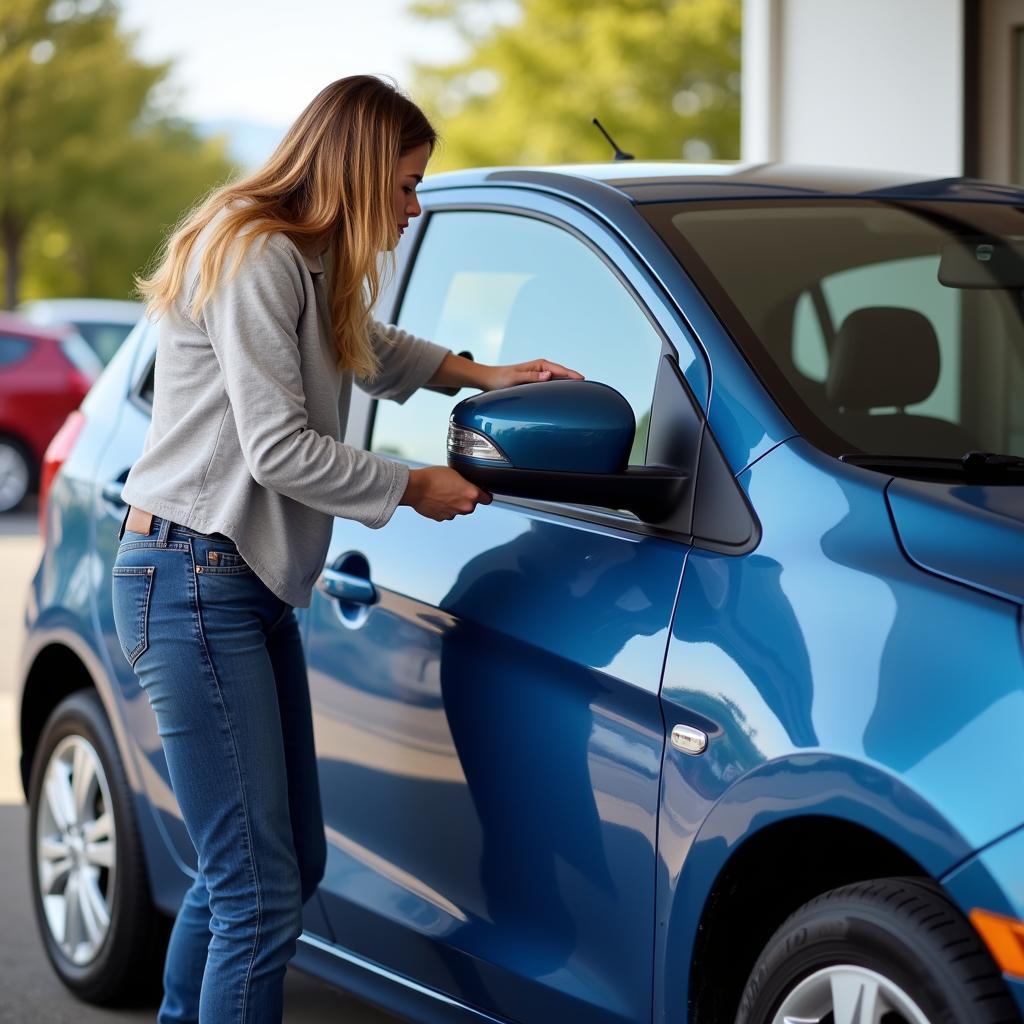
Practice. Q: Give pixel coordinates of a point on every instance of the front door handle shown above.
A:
(347, 587)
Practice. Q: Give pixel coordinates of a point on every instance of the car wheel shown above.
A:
(894, 950)
(101, 932)
(15, 474)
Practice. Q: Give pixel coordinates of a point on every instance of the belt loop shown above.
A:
(165, 529)
(120, 532)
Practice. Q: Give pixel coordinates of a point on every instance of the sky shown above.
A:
(264, 60)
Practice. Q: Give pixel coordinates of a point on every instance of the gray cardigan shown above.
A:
(248, 413)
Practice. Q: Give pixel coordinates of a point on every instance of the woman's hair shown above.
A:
(329, 184)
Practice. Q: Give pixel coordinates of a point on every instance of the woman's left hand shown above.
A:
(526, 373)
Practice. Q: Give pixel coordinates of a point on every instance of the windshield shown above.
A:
(881, 328)
(104, 338)
(81, 356)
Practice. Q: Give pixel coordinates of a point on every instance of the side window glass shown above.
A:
(510, 288)
(145, 376)
(810, 355)
(1015, 419)
(13, 350)
(148, 384)
(909, 284)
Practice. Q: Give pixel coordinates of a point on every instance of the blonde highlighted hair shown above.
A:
(328, 185)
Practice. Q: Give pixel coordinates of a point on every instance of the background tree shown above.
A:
(662, 76)
(93, 170)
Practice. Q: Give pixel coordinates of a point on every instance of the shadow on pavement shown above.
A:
(23, 521)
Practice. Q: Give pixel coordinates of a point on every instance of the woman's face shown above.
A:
(409, 173)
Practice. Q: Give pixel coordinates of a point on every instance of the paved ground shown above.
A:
(29, 990)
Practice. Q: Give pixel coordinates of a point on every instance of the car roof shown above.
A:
(652, 181)
(12, 323)
(50, 311)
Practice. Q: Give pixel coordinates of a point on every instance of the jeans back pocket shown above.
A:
(222, 561)
(131, 588)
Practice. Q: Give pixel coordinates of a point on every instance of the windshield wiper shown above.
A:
(973, 465)
(991, 460)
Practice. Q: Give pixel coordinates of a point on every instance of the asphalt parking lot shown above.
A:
(29, 990)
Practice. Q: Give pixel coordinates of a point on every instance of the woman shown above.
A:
(265, 293)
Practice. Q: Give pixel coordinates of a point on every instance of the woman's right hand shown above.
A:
(440, 493)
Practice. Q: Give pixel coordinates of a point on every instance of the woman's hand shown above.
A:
(525, 373)
(456, 371)
(439, 493)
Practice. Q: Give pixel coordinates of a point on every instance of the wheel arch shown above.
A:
(58, 663)
(782, 834)
(59, 652)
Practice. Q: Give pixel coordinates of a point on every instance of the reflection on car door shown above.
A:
(489, 730)
(490, 740)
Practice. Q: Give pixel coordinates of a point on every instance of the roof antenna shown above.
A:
(619, 154)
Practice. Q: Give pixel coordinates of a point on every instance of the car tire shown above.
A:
(899, 941)
(17, 473)
(90, 888)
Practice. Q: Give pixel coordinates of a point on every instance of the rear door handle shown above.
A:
(346, 587)
(112, 492)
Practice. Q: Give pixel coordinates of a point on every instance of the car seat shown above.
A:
(888, 357)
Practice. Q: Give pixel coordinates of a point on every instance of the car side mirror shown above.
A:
(560, 440)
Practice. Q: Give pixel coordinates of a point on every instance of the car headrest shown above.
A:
(883, 356)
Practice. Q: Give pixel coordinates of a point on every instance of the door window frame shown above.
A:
(668, 348)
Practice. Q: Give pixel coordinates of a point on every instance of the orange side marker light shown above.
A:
(1004, 937)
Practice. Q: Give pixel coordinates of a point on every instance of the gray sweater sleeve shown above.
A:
(406, 362)
(251, 323)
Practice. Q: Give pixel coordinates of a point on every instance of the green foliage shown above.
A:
(92, 170)
(661, 75)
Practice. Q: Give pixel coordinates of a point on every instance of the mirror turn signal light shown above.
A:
(473, 445)
(1004, 937)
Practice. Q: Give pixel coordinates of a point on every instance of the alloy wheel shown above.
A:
(76, 849)
(14, 476)
(846, 994)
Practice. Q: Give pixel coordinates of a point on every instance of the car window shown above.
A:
(81, 356)
(510, 288)
(810, 349)
(13, 350)
(104, 338)
(148, 384)
(929, 332)
(906, 284)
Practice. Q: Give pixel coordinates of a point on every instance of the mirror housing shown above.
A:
(560, 440)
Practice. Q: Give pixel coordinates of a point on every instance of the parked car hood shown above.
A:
(966, 532)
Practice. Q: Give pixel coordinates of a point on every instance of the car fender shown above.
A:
(162, 863)
(802, 785)
(64, 629)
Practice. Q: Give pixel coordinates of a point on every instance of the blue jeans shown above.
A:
(220, 658)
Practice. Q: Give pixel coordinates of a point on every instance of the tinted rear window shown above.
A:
(105, 339)
(13, 351)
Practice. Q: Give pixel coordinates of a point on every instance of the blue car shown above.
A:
(715, 715)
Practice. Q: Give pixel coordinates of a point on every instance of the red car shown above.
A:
(44, 374)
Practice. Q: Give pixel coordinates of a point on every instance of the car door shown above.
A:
(488, 729)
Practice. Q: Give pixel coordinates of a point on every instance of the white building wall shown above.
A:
(870, 83)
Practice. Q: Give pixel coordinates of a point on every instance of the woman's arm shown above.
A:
(457, 371)
(251, 320)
